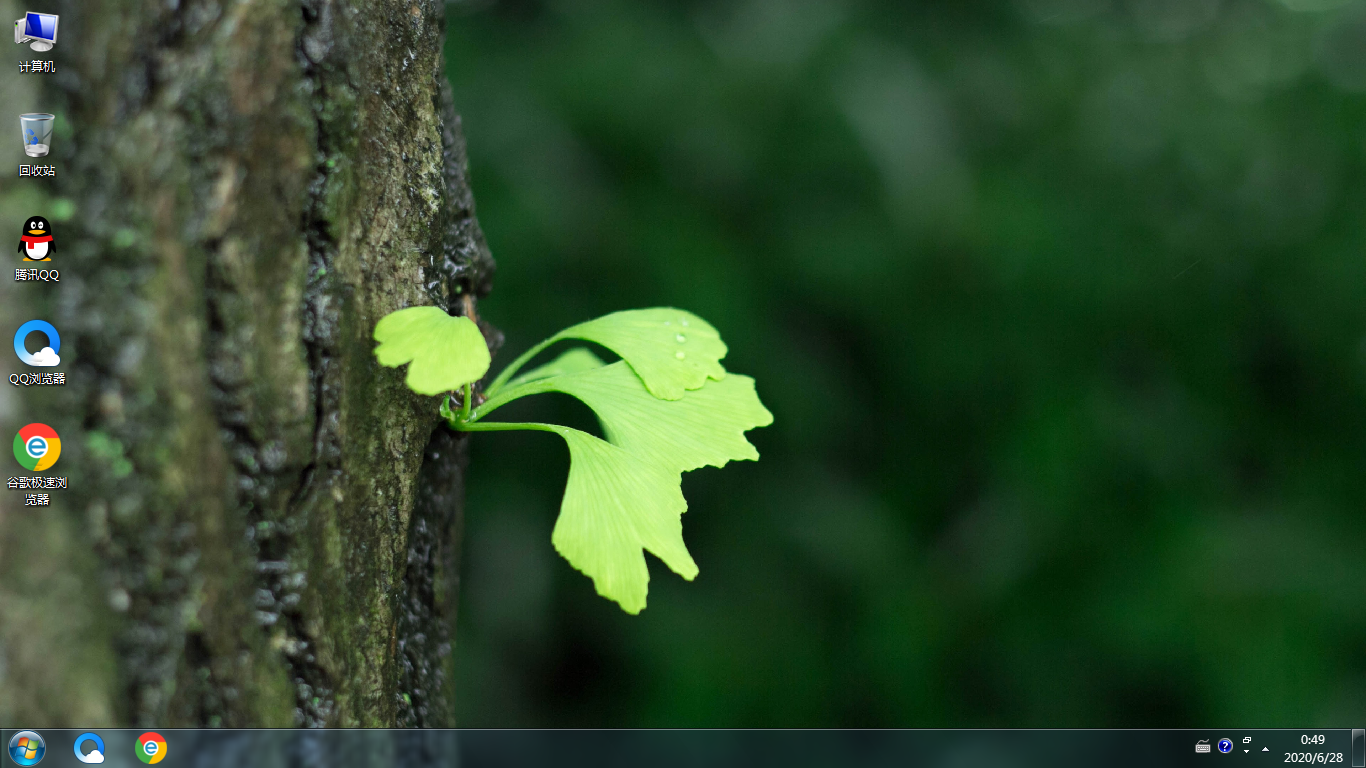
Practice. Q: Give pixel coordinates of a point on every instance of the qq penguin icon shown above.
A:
(46, 356)
(35, 241)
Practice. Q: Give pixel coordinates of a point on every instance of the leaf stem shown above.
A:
(468, 402)
(497, 401)
(516, 365)
(506, 426)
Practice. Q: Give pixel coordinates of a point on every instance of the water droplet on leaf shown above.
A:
(681, 338)
(679, 355)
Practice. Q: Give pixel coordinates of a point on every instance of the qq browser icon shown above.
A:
(96, 753)
(151, 748)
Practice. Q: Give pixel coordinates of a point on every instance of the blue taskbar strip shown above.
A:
(348, 748)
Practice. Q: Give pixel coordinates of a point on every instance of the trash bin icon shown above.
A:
(37, 130)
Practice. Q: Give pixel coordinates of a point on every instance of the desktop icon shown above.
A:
(1225, 746)
(36, 128)
(151, 748)
(35, 240)
(46, 356)
(39, 30)
(37, 448)
(96, 753)
(26, 748)
(1202, 747)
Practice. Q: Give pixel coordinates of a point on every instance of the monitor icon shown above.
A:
(37, 29)
(96, 747)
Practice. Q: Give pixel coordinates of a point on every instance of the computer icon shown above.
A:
(37, 29)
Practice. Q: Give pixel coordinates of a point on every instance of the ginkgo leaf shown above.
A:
(574, 361)
(443, 352)
(616, 505)
(671, 350)
(704, 427)
(666, 408)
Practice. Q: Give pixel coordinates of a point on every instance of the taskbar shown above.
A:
(682, 748)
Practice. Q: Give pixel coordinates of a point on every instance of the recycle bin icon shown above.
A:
(37, 130)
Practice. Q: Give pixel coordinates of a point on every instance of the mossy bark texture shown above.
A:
(262, 524)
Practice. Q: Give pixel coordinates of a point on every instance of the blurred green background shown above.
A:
(1058, 305)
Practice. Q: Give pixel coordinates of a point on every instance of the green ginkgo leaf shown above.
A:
(704, 427)
(443, 352)
(616, 505)
(666, 408)
(671, 350)
(575, 360)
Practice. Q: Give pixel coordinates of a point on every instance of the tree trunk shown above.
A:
(262, 525)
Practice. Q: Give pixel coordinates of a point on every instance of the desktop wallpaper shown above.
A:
(1059, 307)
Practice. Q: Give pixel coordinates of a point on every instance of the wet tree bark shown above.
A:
(262, 525)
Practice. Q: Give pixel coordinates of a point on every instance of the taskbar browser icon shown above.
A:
(151, 748)
(89, 748)
(27, 748)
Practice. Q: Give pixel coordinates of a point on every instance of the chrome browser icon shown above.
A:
(151, 748)
(26, 748)
(36, 448)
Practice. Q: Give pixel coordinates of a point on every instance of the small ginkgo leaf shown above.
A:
(615, 505)
(575, 360)
(704, 427)
(671, 350)
(443, 352)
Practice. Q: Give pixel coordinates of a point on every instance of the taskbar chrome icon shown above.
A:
(151, 748)
(95, 746)
(27, 748)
